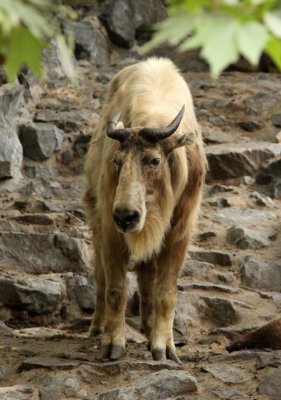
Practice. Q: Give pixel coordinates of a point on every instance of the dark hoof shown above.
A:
(103, 353)
(107, 351)
(172, 355)
(117, 352)
(158, 354)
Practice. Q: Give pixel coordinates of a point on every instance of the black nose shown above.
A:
(125, 219)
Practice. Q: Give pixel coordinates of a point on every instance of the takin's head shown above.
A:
(144, 175)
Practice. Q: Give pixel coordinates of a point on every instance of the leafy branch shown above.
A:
(26, 27)
(223, 30)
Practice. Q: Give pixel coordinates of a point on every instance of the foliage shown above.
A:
(26, 27)
(223, 29)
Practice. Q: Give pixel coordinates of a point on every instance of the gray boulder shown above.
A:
(10, 151)
(261, 274)
(90, 43)
(245, 238)
(220, 311)
(237, 160)
(81, 290)
(36, 295)
(39, 140)
(157, 385)
(270, 385)
(42, 253)
(11, 100)
(124, 19)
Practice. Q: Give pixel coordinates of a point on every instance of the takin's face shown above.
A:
(142, 174)
(144, 181)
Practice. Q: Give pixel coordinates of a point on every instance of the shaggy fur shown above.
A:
(148, 94)
(268, 336)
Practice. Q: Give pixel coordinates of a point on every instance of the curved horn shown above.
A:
(120, 134)
(154, 135)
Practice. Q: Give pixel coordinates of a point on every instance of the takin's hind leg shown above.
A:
(98, 322)
(147, 276)
(169, 263)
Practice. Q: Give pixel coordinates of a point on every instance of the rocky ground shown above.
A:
(231, 280)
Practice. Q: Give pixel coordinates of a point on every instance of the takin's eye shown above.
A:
(154, 162)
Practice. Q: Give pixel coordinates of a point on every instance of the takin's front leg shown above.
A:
(147, 276)
(169, 264)
(113, 339)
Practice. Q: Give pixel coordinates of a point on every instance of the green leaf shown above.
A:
(273, 49)
(221, 50)
(272, 20)
(23, 48)
(251, 39)
(172, 30)
(203, 24)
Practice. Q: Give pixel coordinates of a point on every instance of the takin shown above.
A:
(268, 336)
(144, 180)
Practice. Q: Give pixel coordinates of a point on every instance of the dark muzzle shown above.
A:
(125, 219)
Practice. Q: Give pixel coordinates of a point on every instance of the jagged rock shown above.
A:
(269, 172)
(10, 151)
(39, 140)
(221, 202)
(230, 394)
(272, 359)
(216, 137)
(190, 398)
(11, 98)
(51, 363)
(43, 253)
(81, 144)
(52, 63)
(156, 385)
(237, 160)
(196, 269)
(210, 256)
(69, 120)
(218, 120)
(220, 311)
(217, 188)
(81, 289)
(59, 387)
(123, 18)
(184, 284)
(260, 274)
(33, 294)
(250, 126)
(90, 43)
(261, 200)
(260, 102)
(34, 219)
(270, 385)
(245, 238)
(206, 235)
(271, 175)
(276, 120)
(229, 373)
(17, 392)
(246, 216)
(278, 137)
(5, 330)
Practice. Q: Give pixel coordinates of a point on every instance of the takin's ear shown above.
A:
(179, 141)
